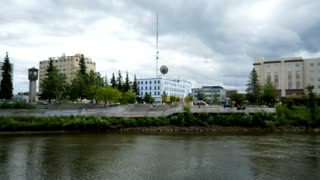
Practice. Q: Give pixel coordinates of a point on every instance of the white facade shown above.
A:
(290, 75)
(67, 65)
(156, 87)
(209, 92)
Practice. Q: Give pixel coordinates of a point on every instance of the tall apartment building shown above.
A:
(67, 65)
(209, 92)
(291, 76)
(156, 87)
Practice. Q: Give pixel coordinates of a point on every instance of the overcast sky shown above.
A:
(207, 42)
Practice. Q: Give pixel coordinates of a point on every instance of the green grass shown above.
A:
(298, 116)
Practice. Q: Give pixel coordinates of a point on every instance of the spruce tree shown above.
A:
(113, 81)
(82, 66)
(119, 82)
(79, 83)
(54, 84)
(6, 82)
(126, 85)
(135, 87)
(253, 87)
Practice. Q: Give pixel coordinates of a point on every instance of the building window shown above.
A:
(276, 79)
(138, 82)
(141, 93)
(268, 76)
(154, 93)
(298, 85)
(150, 82)
(318, 86)
(298, 74)
(141, 82)
(289, 75)
(268, 66)
(311, 64)
(141, 87)
(158, 81)
(297, 65)
(158, 87)
(146, 82)
(155, 87)
(289, 64)
(155, 82)
(158, 93)
(290, 85)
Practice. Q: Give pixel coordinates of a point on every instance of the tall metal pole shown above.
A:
(157, 53)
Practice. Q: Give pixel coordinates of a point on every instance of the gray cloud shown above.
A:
(224, 35)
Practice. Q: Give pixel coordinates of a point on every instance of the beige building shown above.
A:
(65, 64)
(291, 76)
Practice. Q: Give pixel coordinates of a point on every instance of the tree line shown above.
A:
(87, 85)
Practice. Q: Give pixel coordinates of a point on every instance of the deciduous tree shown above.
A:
(148, 98)
(237, 98)
(269, 93)
(108, 94)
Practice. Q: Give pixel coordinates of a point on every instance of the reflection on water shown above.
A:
(175, 156)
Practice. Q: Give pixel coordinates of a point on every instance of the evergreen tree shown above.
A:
(82, 67)
(113, 81)
(126, 85)
(119, 82)
(253, 87)
(311, 103)
(79, 83)
(6, 82)
(53, 85)
(135, 87)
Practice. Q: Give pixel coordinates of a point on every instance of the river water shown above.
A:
(158, 156)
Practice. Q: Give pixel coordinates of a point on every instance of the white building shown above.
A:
(156, 87)
(291, 76)
(209, 92)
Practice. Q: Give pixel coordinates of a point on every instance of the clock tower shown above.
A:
(33, 77)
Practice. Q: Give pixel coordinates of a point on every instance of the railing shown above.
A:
(121, 112)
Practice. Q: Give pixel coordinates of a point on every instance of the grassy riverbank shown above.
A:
(183, 121)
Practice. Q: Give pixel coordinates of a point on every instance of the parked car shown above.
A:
(227, 106)
(241, 108)
(200, 103)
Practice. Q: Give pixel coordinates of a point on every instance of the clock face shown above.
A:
(35, 73)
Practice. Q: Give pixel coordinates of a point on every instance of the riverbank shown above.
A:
(183, 122)
(221, 129)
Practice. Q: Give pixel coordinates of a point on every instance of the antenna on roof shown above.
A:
(157, 51)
